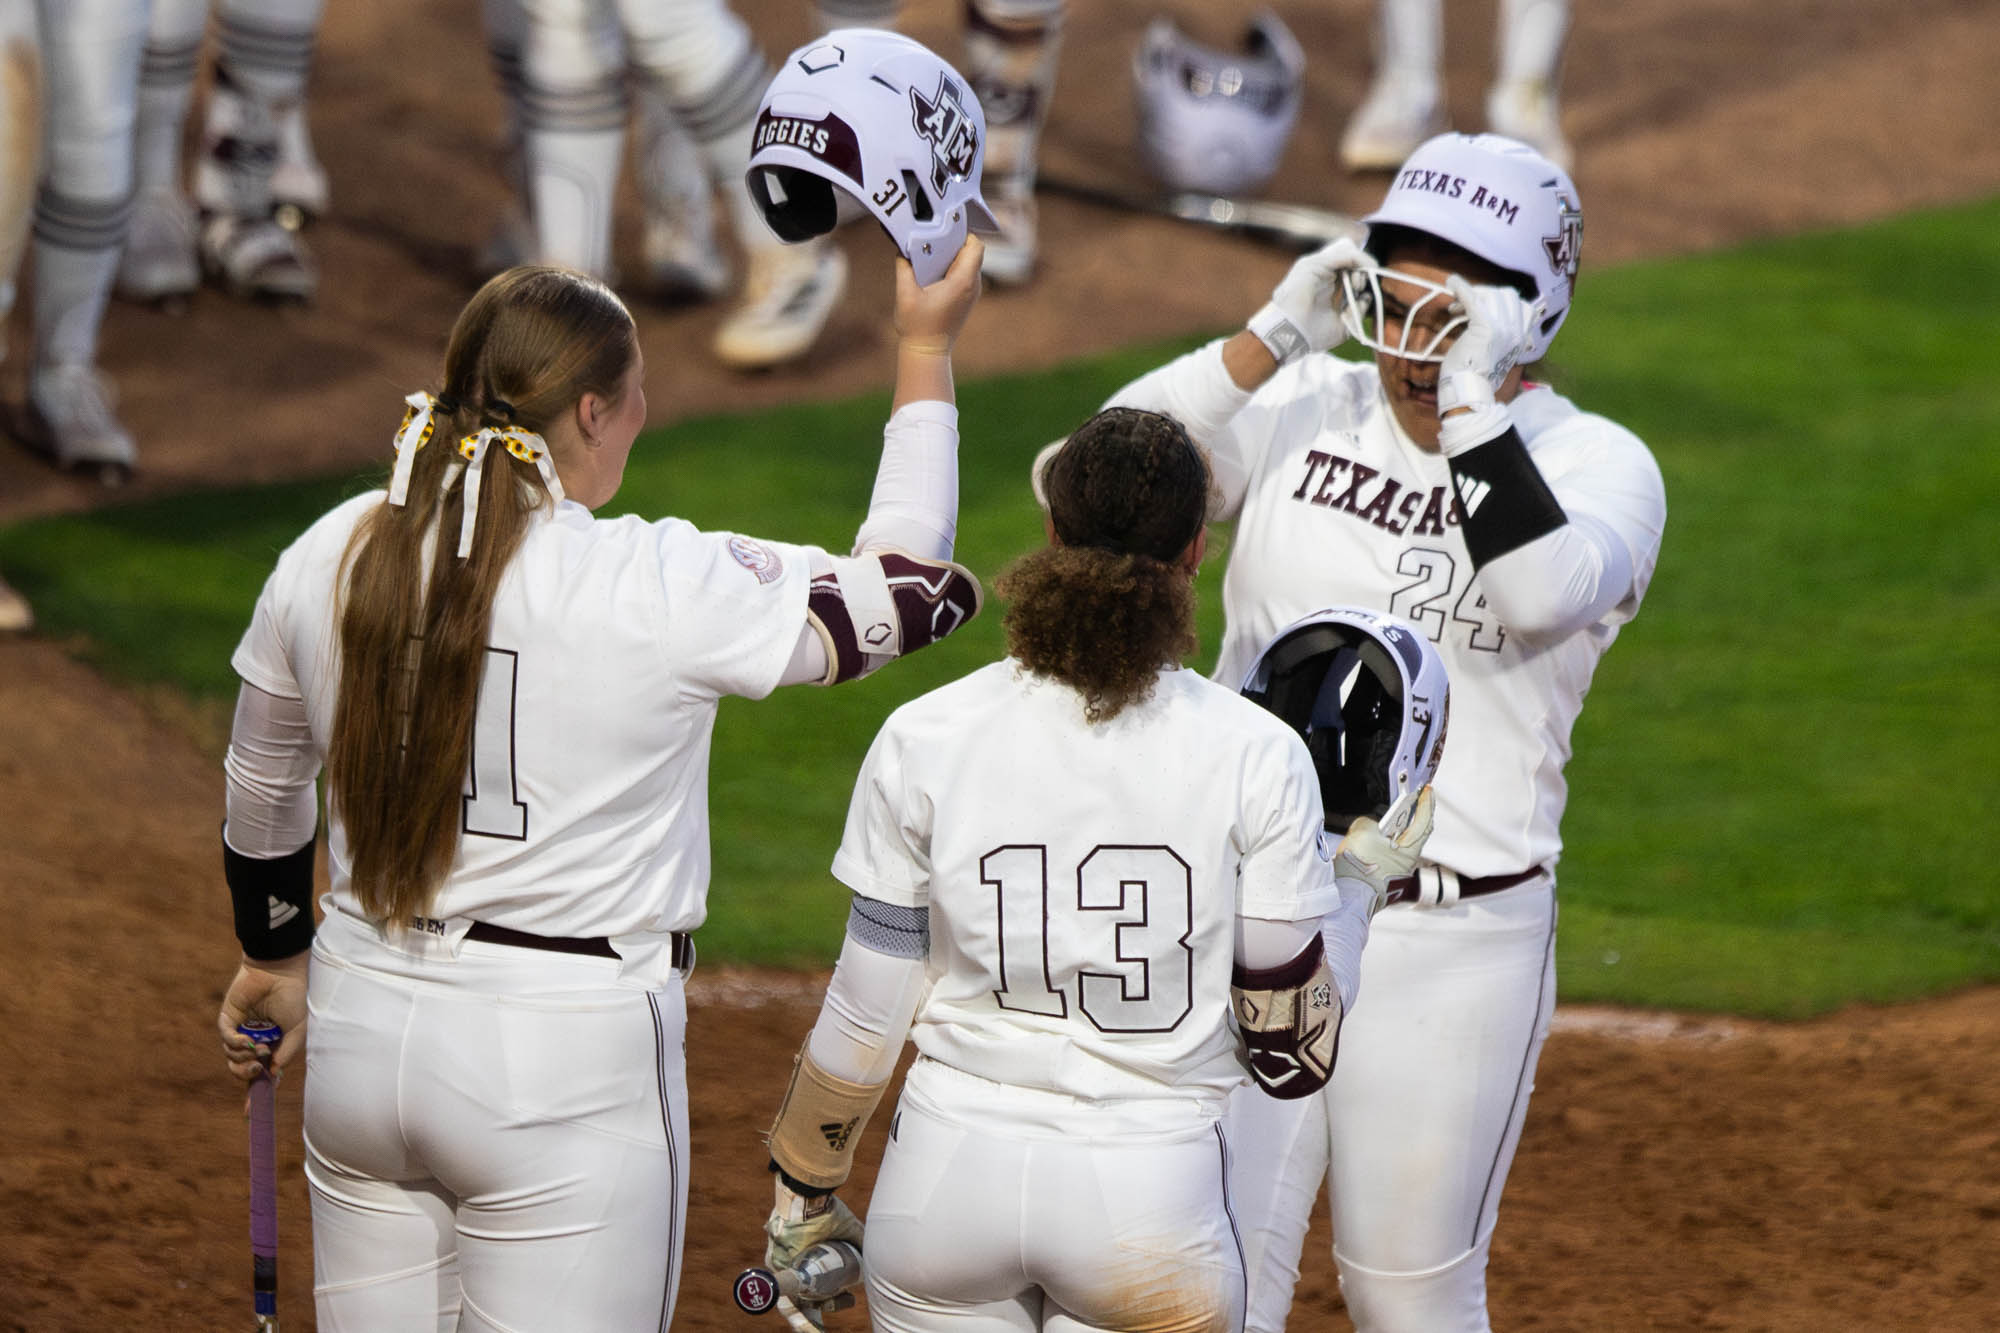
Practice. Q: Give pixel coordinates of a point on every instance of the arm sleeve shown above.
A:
(1597, 564)
(915, 502)
(268, 776)
(866, 1015)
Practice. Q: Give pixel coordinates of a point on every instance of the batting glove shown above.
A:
(1375, 853)
(1303, 314)
(1497, 324)
(797, 1223)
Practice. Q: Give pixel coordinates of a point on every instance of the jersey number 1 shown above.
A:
(493, 805)
(1130, 967)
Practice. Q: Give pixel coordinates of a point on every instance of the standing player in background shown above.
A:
(513, 702)
(90, 70)
(20, 168)
(706, 65)
(1519, 532)
(256, 157)
(1405, 105)
(1064, 867)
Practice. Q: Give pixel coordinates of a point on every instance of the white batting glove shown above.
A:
(1497, 324)
(1375, 853)
(798, 1223)
(1303, 314)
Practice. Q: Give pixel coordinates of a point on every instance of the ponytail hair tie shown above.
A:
(445, 403)
(504, 408)
(524, 445)
(412, 435)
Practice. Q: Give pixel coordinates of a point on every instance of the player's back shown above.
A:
(1083, 880)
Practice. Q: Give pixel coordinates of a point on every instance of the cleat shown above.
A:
(16, 616)
(683, 264)
(159, 265)
(1395, 117)
(787, 298)
(1527, 111)
(71, 422)
(256, 259)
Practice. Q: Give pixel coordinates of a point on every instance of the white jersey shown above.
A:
(586, 810)
(1339, 506)
(1084, 882)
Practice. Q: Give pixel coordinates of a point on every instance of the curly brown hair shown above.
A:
(1110, 603)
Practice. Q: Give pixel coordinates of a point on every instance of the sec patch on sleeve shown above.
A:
(758, 558)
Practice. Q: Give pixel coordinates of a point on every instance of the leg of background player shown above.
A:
(159, 263)
(260, 76)
(573, 122)
(703, 59)
(1011, 49)
(90, 51)
(1403, 107)
(1278, 1155)
(1522, 101)
(20, 166)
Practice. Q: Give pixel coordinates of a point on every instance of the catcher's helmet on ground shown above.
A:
(868, 121)
(1497, 198)
(1216, 121)
(1368, 693)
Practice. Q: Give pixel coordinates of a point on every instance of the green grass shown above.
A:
(1783, 774)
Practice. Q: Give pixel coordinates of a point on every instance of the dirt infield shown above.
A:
(1675, 1172)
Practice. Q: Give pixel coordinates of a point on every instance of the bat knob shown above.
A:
(269, 1034)
(756, 1290)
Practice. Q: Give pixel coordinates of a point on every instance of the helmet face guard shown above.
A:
(1426, 327)
(866, 122)
(1368, 694)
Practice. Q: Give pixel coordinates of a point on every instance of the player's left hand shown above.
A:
(798, 1223)
(273, 990)
(1376, 853)
(1497, 324)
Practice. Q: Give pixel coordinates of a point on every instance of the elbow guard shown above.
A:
(819, 1125)
(882, 604)
(1288, 1019)
(271, 900)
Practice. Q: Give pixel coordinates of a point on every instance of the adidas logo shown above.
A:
(1471, 493)
(281, 911)
(837, 1133)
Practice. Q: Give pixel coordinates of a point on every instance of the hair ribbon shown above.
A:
(524, 445)
(412, 435)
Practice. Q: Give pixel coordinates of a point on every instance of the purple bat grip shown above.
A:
(263, 1179)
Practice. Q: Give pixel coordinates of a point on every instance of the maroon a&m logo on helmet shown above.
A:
(941, 120)
(1565, 248)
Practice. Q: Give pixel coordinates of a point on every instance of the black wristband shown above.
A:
(799, 1187)
(271, 900)
(1504, 502)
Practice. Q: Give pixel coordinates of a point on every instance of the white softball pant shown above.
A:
(497, 1142)
(1414, 1133)
(1002, 1210)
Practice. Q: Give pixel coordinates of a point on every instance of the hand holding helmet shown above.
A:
(929, 319)
(1499, 324)
(1377, 852)
(1303, 315)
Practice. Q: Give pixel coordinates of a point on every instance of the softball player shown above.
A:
(513, 704)
(1519, 532)
(1063, 867)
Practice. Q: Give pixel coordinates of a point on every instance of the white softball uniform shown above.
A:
(1056, 1160)
(1335, 505)
(496, 1129)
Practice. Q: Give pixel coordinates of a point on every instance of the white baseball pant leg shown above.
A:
(1002, 1210)
(1416, 1130)
(90, 58)
(501, 1147)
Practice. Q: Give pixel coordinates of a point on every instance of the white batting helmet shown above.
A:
(868, 121)
(1216, 121)
(1501, 200)
(1369, 694)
